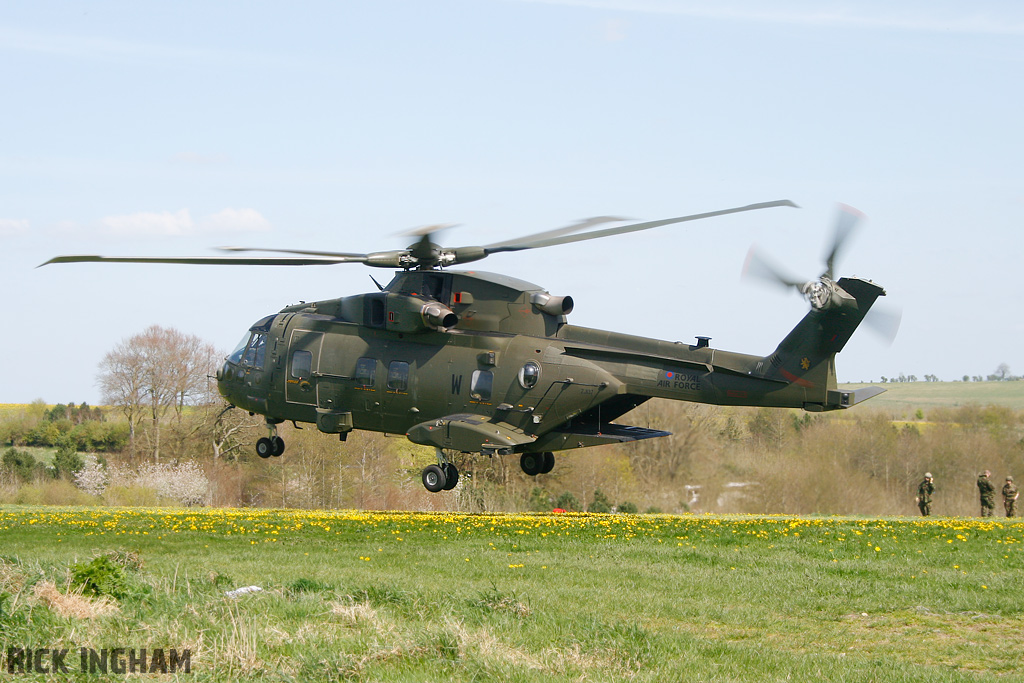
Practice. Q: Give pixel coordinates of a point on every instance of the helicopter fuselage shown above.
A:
(477, 362)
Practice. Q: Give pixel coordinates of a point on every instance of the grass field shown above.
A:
(909, 396)
(432, 597)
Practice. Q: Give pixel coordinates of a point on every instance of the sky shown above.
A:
(173, 128)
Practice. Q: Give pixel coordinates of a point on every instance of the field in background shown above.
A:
(899, 395)
(398, 596)
(907, 397)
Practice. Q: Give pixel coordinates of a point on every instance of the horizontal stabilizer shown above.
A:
(838, 400)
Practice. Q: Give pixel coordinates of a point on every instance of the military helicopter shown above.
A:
(474, 362)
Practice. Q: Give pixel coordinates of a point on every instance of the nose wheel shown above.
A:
(270, 446)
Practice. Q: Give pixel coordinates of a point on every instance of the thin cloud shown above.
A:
(235, 220)
(12, 226)
(196, 159)
(932, 17)
(16, 39)
(180, 223)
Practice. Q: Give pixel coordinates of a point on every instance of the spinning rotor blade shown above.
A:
(636, 227)
(557, 232)
(206, 260)
(884, 322)
(424, 254)
(847, 221)
(349, 258)
(758, 266)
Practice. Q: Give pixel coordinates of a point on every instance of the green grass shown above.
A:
(418, 597)
(909, 396)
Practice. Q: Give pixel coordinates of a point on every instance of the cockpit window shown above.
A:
(256, 352)
(236, 355)
(263, 325)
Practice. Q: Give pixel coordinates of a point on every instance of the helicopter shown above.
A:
(482, 363)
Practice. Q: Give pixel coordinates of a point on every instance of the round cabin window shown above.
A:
(529, 374)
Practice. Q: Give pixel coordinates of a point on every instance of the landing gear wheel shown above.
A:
(433, 478)
(549, 462)
(277, 446)
(532, 463)
(264, 447)
(451, 475)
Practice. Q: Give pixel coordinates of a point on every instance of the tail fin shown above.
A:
(806, 357)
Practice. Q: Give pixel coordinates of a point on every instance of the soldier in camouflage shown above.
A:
(988, 494)
(924, 494)
(1010, 495)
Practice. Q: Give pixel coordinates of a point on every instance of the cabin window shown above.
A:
(398, 376)
(529, 375)
(481, 385)
(302, 364)
(256, 352)
(366, 373)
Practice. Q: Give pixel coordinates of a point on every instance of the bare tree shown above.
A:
(153, 372)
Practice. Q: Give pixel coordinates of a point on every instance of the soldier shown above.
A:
(988, 494)
(1010, 496)
(924, 494)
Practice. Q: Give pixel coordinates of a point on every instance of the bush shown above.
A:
(131, 496)
(540, 500)
(569, 502)
(19, 463)
(66, 461)
(92, 477)
(52, 493)
(600, 503)
(100, 577)
(628, 508)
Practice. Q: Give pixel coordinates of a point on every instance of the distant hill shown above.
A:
(909, 396)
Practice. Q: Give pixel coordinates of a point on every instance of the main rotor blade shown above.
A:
(636, 227)
(584, 224)
(846, 222)
(302, 252)
(207, 260)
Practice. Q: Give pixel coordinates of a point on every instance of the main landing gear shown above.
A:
(443, 476)
(272, 446)
(537, 463)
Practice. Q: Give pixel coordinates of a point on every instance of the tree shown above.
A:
(567, 501)
(600, 502)
(153, 372)
(19, 463)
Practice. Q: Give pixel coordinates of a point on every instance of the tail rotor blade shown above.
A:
(846, 223)
(758, 266)
(884, 321)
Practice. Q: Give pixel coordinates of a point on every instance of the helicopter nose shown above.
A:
(223, 375)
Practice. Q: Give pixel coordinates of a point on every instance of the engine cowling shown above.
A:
(552, 305)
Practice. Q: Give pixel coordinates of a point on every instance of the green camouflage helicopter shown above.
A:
(474, 362)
